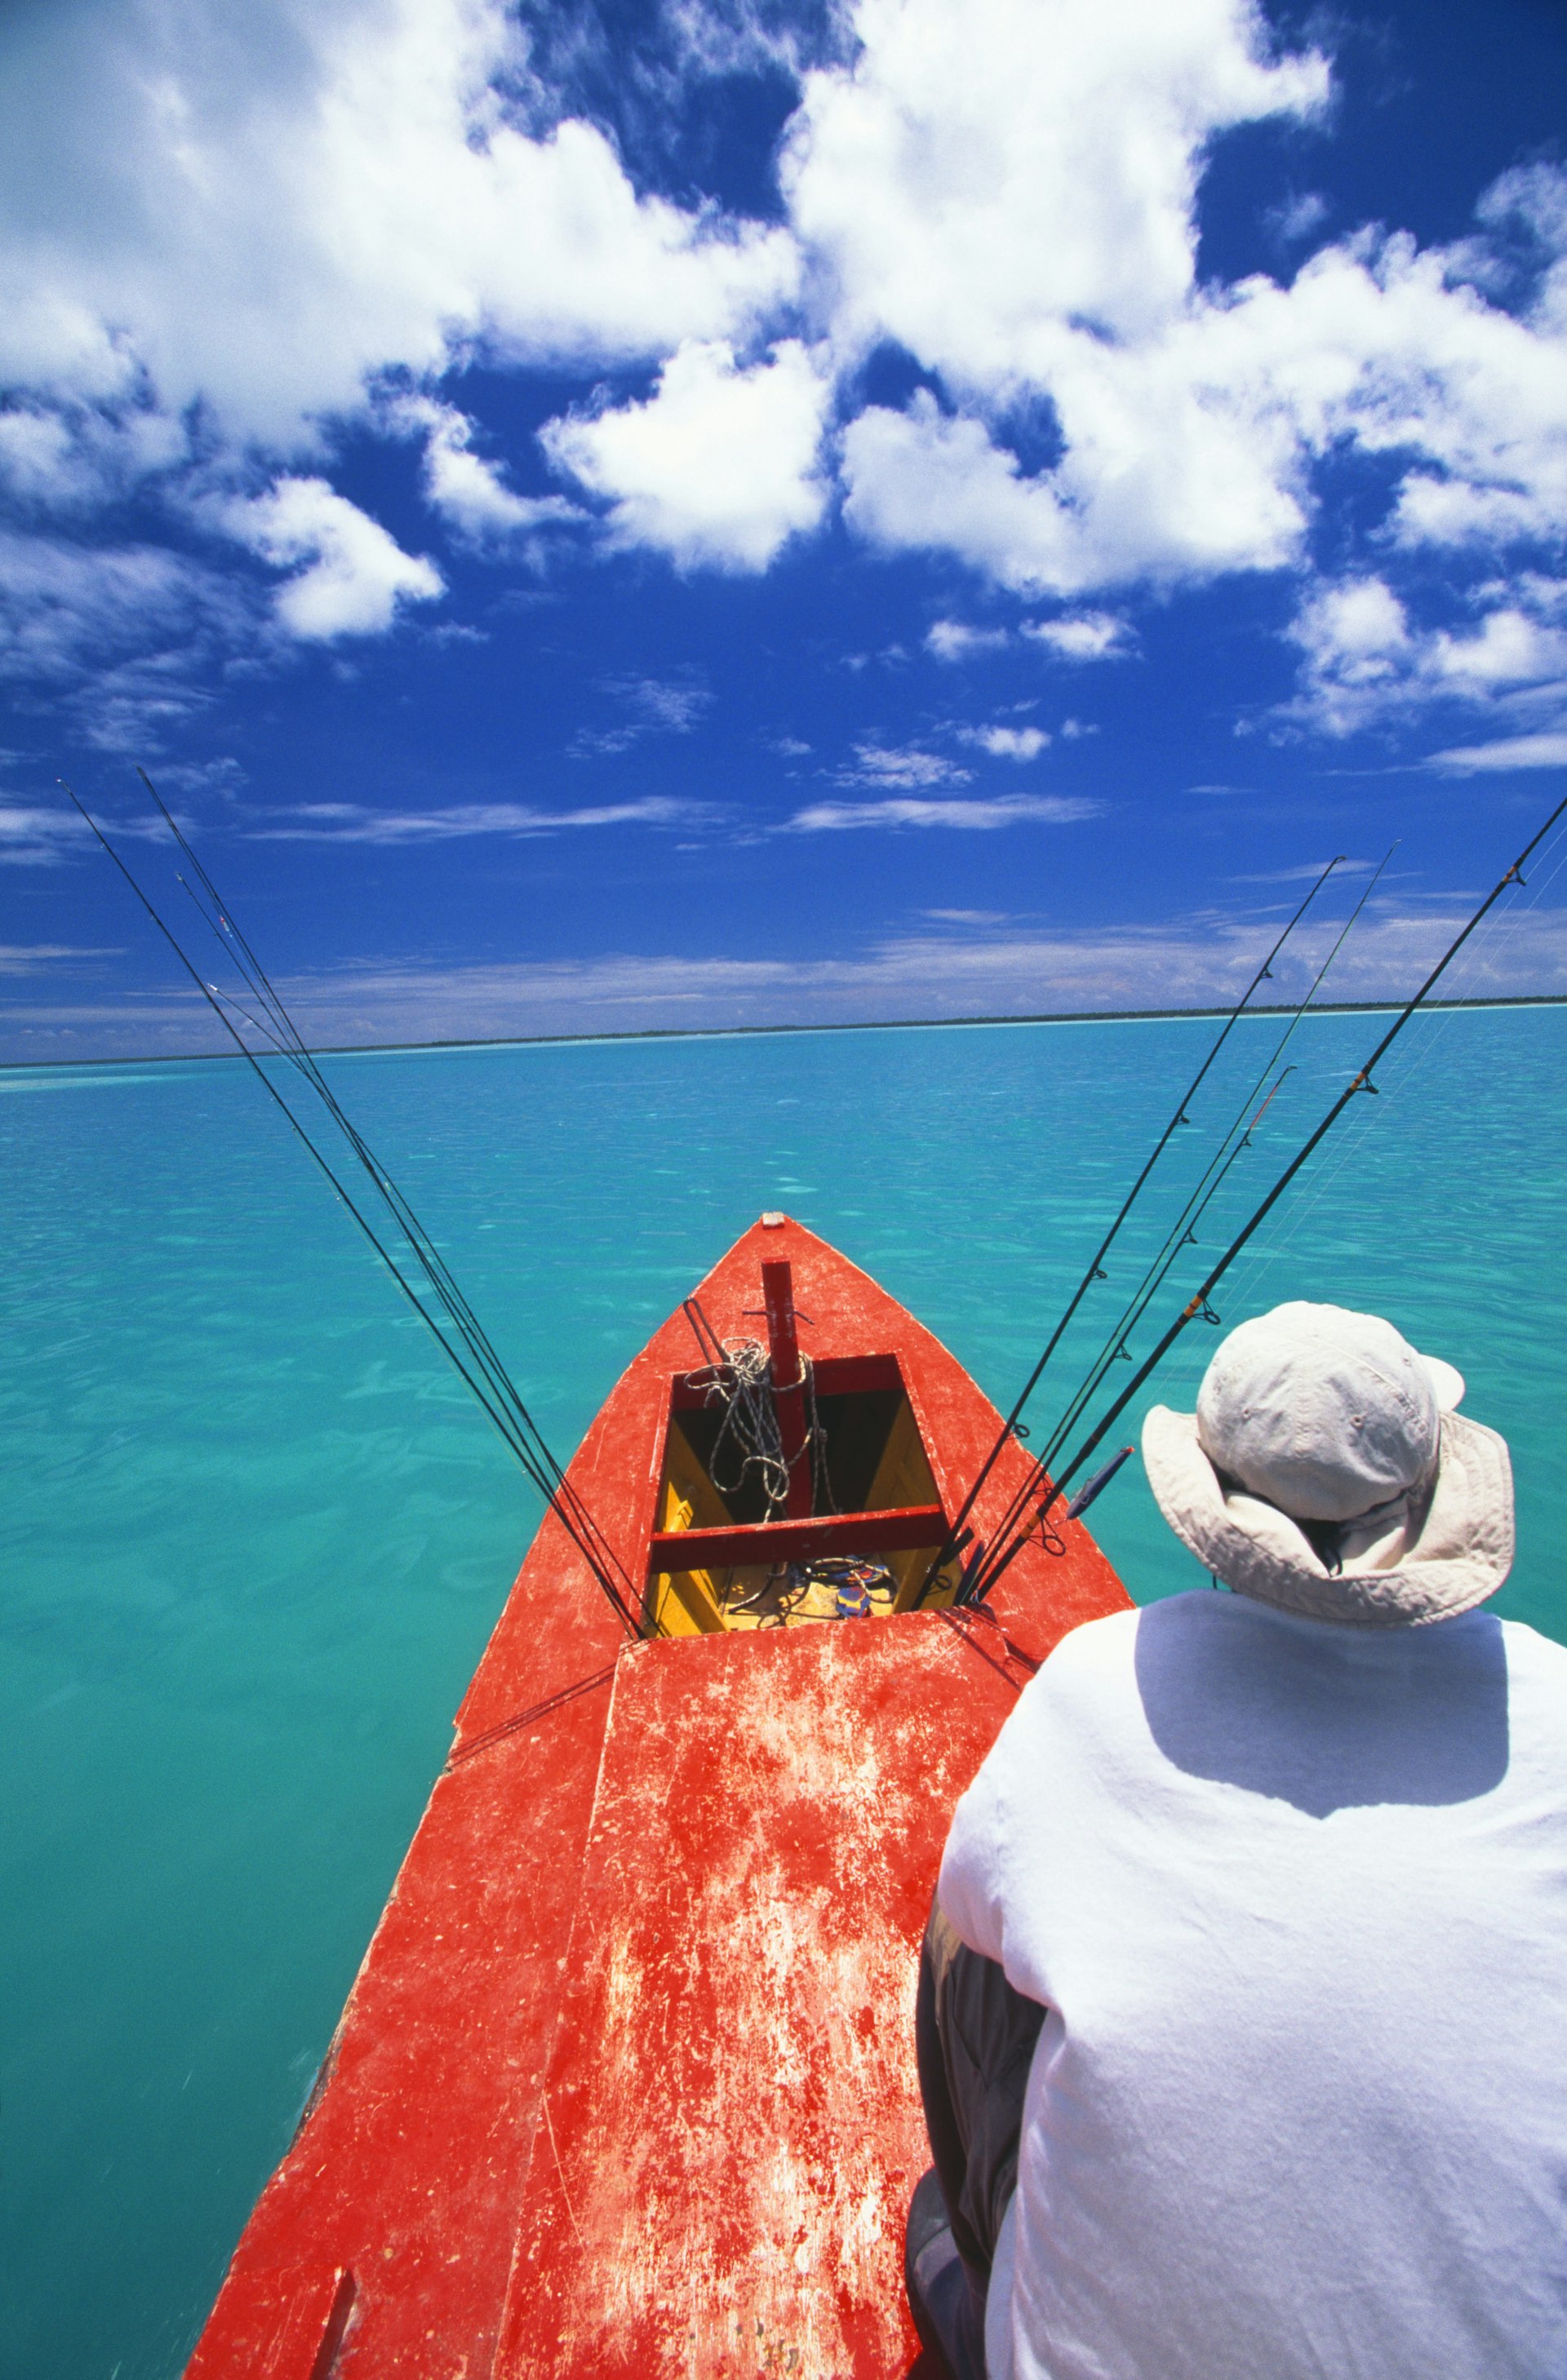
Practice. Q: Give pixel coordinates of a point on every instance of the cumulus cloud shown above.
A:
(241, 220)
(1010, 194)
(719, 465)
(957, 640)
(1366, 662)
(1083, 636)
(230, 231)
(259, 210)
(466, 489)
(983, 175)
(355, 575)
(1008, 743)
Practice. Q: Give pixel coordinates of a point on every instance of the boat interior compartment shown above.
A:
(861, 1547)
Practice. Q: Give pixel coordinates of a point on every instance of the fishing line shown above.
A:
(500, 1403)
(1182, 1232)
(290, 1043)
(1233, 1143)
(1420, 1052)
(983, 1573)
(1096, 1264)
(519, 1429)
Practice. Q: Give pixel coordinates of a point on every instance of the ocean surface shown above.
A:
(254, 1536)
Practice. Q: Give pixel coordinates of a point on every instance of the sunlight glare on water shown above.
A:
(255, 1535)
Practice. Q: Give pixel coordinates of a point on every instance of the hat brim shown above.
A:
(1460, 1554)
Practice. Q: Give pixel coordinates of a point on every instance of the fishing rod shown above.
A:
(512, 1419)
(985, 1573)
(1037, 1476)
(286, 1038)
(1009, 1428)
(493, 1389)
(1183, 1232)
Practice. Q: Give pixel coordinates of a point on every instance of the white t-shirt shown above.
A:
(1294, 1896)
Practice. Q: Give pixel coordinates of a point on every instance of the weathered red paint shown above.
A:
(625, 2083)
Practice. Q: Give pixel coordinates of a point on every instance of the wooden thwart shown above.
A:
(894, 1532)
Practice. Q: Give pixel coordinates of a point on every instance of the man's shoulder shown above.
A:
(1536, 1672)
(1097, 1648)
(1528, 1649)
(1093, 1668)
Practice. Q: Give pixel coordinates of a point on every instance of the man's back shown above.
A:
(1294, 1896)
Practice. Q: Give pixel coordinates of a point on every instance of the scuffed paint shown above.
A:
(626, 2083)
(744, 2140)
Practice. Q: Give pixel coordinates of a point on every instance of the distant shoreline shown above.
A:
(737, 1032)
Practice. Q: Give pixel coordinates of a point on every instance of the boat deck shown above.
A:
(625, 2085)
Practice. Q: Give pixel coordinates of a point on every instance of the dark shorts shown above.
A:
(974, 2039)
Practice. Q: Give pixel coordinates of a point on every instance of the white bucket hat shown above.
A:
(1327, 1470)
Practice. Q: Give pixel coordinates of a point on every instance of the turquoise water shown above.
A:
(253, 1539)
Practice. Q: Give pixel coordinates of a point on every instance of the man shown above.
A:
(1263, 1897)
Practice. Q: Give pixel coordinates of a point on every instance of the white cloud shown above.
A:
(921, 479)
(27, 958)
(983, 174)
(35, 455)
(1008, 743)
(1009, 192)
(1083, 636)
(263, 208)
(1183, 963)
(37, 834)
(69, 458)
(245, 219)
(230, 229)
(718, 467)
(354, 822)
(355, 575)
(68, 609)
(1365, 663)
(652, 706)
(881, 764)
(974, 814)
(1544, 751)
(956, 640)
(34, 836)
(1299, 216)
(467, 490)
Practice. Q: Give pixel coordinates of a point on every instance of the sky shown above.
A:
(699, 513)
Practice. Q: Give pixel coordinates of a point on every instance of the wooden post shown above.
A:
(788, 1383)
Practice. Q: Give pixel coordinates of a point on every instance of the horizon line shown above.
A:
(735, 1032)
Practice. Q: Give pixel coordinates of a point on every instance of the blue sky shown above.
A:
(720, 513)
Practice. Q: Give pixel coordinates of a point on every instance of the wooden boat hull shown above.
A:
(625, 2085)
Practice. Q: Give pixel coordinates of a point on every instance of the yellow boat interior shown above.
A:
(864, 1520)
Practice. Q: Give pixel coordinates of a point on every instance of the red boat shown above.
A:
(625, 2085)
